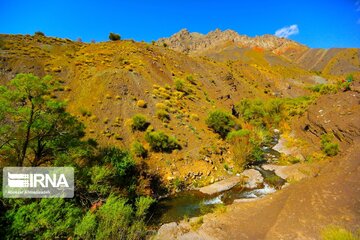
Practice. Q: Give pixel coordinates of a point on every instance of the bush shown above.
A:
(141, 103)
(114, 37)
(336, 233)
(116, 219)
(163, 115)
(325, 88)
(121, 160)
(221, 122)
(160, 142)
(139, 150)
(39, 34)
(252, 111)
(182, 86)
(139, 123)
(241, 146)
(328, 146)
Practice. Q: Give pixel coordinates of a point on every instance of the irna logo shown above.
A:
(38, 182)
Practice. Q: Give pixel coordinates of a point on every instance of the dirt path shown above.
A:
(297, 212)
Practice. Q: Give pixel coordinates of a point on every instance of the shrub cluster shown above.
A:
(163, 115)
(114, 37)
(39, 34)
(139, 150)
(221, 122)
(328, 146)
(139, 123)
(160, 142)
(325, 88)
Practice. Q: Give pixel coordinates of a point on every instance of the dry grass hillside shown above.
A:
(107, 83)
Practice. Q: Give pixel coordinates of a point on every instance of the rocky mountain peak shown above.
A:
(192, 42)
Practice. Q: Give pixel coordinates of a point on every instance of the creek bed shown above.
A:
(193, 203)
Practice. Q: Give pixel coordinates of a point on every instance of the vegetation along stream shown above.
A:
(192, 203)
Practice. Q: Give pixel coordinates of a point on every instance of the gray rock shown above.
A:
(220, 186)
(252, 178)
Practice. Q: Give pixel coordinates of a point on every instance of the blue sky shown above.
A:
(315, 23)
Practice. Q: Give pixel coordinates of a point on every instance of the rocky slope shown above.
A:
(329, 194)
(104, 82)
(196, 43)
(229, 45)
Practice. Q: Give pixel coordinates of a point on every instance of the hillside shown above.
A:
(229, 45)
(107, 83)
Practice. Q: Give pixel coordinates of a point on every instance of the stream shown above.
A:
(193, 203)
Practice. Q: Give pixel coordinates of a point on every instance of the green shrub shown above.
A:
(221, 122)
(84, 112)
(336, 233)
(114, 37)
(252, 111)
(163, 115)
(121, 160)
(350, 78)
(116, 219)
(160, 142)
(238, 133)
(178, 184)
(182, 86)
(325, 88)
(328, 146)
(139, 123)
(39, 34)
(331, 149)
(139, 150)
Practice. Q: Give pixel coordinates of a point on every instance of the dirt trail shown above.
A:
(297, 212)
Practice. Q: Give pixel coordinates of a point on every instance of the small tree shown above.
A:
(34, 128)
(114, 37)
(220, 122)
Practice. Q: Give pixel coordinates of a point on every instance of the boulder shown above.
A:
(286, 172)
(220, 186)
(252, 178)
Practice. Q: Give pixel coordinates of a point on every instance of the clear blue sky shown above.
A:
(321, 23)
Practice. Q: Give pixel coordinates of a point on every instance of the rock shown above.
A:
(245, 200)
(168, 231)
(286, 172)
(252, 178)
(221, 186)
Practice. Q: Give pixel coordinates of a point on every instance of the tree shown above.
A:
(114, 37)
(221, 122)
(34, 127)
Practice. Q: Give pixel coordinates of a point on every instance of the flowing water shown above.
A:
(193, 203)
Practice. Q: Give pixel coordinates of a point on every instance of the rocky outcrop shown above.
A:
(184, 41)
(337, 114)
